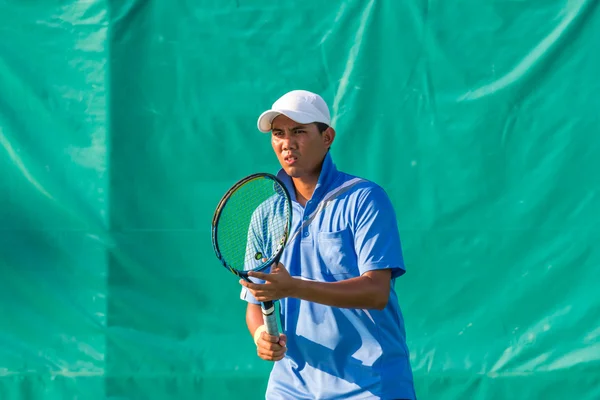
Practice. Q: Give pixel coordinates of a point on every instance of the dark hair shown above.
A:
(321, 126)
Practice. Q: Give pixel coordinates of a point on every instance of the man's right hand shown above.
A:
(270, 348)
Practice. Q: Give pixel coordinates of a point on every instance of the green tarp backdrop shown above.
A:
(123, 122)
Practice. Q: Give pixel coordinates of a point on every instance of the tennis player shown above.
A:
(343, 331)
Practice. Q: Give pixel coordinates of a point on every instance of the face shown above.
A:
(300, 148)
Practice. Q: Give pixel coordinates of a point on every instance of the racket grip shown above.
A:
(270, 318)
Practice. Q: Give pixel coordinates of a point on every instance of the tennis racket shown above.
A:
(250, 229)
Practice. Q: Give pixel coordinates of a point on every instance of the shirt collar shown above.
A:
(327, 177)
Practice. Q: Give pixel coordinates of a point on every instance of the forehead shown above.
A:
(284, 122)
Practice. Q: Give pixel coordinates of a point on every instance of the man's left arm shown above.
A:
(368, 291)
(379, 256)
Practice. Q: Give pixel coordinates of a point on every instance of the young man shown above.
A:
(343, 332)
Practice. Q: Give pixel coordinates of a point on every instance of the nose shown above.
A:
(288, 142)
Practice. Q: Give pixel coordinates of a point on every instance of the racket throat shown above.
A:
(243, 275)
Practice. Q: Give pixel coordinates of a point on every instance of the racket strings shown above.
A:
(253, 224)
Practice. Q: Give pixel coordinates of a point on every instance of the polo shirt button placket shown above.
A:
(305, 218)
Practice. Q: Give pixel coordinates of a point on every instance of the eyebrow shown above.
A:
(295, 128)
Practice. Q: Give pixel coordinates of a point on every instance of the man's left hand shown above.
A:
(278, 284)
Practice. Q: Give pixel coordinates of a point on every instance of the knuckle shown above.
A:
(267, 348)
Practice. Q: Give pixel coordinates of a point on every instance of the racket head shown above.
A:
(251, 224)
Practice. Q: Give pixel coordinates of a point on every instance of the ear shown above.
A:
(328, 136)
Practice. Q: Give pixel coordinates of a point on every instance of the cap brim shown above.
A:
(265, 120)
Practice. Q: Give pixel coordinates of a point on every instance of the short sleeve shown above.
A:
(376, 237)
(247, 296)
(254, 245)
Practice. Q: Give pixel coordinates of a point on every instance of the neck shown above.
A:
(305, 188)
(305, 185)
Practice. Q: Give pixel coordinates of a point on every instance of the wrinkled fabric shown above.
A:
(122, 123)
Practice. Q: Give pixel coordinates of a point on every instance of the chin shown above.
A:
(293, 171)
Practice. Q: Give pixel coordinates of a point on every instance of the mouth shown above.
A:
(290, 159)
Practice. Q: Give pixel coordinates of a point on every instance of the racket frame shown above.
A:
(267, 307)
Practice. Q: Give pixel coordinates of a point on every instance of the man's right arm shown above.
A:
(269, 348)
(254, 317)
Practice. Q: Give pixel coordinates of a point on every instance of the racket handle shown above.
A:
(270, 318)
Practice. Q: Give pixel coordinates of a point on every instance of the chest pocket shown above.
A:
(336, 251)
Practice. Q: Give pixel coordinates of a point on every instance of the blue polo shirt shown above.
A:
(339, 353)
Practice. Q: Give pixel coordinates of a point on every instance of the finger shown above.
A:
(269, 346)
(261, 275)
(270, 267)
(252, 286)
(266, 297)
(272, 355)
(272, 358)
(249, 285)
(253, 293)
(268, 338)
(243, 282)
(282, 339)
(277, 267)
(261, 293)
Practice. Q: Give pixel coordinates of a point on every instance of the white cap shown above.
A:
(301, 106)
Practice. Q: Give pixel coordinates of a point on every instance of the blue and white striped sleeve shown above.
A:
(253, 246)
